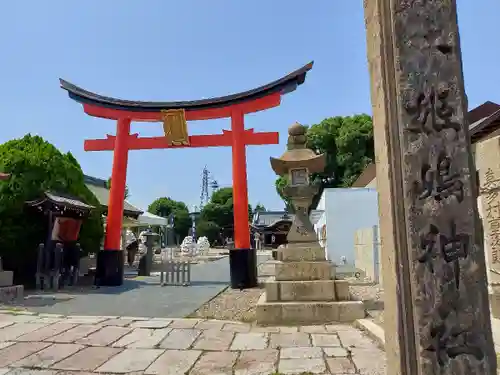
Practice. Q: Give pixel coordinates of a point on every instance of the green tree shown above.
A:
(208, 229)
(127, 192)
(222, 195)
(221, 214)
(220, 209)
(259, 207)
(348, 145)
(165, 206)
(37, 166)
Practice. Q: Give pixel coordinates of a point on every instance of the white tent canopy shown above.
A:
(149, 219)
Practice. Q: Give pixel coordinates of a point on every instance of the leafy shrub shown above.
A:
(37, 166)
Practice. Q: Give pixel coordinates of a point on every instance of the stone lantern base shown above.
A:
(305, 291)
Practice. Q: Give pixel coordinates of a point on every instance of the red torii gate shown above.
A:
(174, 116)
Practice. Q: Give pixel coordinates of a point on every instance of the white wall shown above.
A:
(346, 210)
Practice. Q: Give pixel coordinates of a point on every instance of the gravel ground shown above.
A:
(231, 304)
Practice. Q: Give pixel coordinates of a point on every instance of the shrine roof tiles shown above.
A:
(283, 85)
(60, 200)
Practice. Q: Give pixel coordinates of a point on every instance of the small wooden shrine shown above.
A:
(59, 257)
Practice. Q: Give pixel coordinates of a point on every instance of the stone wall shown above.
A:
(367, 257)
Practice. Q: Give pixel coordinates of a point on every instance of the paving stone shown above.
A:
(5, 324)
(250, 341)
(369, 361)
(298, 366)
(220, 363)
(87, 359)
(340, 366)
(74, 334)
(49, 356)
(12, 332)
(287, 340)
(184, 323)
(105, 336)
(265, 329)
(330, 339)
(313, 329)
(214, 340)
(142, 338)
(50, 320)
(117, 322)
(4, 344)
(180, 339)
(340, 327)
(46, 332)
(26, 371)
(131, 360)
(134, 318)
(288, 329)
(18, 351)
(210, 324)
(85, 319)
(355, 339)
(256, 362)
(174, 362)
(18, 318)
(301, 352)
(236, 327)
(335, 352)
(50, 315)
(153, 323)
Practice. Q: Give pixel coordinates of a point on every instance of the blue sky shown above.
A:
(192, 49)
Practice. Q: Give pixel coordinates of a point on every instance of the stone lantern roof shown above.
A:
(297, 154)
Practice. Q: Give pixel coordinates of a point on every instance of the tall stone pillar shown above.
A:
(436, 308)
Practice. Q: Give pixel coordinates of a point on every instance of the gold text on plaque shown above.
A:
(175, 127)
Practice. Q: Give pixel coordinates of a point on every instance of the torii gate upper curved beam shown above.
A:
(258, 99)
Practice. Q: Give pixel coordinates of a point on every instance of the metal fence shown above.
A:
(175, 272)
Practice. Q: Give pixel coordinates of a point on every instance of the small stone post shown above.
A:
(437, 318)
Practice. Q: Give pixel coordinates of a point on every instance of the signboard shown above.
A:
(66, 229)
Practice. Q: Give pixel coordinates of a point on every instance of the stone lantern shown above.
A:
(297, 163)
(304, 289)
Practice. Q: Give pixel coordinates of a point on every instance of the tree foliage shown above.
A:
(259, 207)
(37, 166)
(220, 211)
(348, 145)
(208, 229)
(165, 206)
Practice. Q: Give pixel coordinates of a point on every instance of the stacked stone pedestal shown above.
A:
(304, 291)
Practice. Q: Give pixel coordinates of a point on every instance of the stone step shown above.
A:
(314, 312)
(302, 271)
(297, 254)
(314, 290)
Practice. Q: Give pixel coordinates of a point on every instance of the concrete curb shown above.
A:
(374, 331)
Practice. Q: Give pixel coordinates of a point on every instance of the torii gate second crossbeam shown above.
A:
(174, 115)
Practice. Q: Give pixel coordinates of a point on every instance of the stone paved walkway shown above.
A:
(47, 344)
